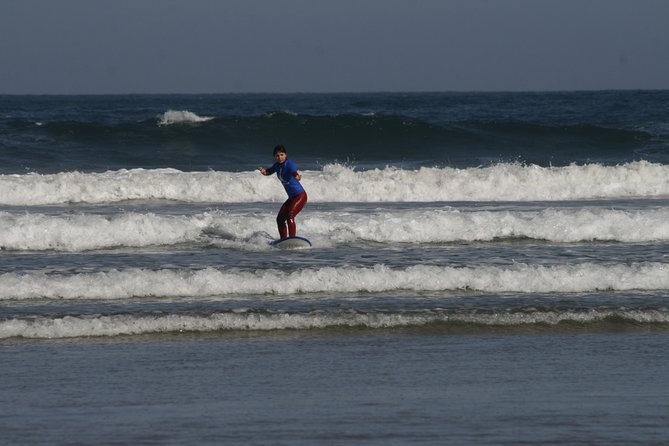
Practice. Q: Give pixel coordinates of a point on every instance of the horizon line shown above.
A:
(277, 93)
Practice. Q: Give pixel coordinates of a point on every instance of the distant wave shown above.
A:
(517, 278)
(246, 320)
(181, 117)
(368, 127)
(249, 231)
(340, 183)
(188, 140)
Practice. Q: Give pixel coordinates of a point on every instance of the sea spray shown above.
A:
(171, 117)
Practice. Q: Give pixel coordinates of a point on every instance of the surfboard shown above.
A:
(291, 243)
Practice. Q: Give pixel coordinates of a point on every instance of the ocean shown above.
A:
(487, 268)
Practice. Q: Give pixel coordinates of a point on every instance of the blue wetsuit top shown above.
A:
(285, 173)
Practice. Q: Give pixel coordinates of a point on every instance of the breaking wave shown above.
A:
(84, 232)
(247, 320)
(208, 282)
(340, 183)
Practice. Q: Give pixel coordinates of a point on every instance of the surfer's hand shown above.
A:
(262, 170)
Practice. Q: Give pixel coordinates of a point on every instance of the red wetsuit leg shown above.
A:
(296, 206)
(281, 219)
(287, 214)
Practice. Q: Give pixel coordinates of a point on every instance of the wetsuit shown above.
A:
(297, 197)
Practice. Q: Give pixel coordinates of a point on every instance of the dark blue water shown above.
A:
(97, 133)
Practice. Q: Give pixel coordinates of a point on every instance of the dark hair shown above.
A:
(279, 149)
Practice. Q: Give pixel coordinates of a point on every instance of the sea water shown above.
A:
(487, 268)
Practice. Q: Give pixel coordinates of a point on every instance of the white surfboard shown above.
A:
(291, 243)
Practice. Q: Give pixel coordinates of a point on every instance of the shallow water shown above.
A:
(340, 388)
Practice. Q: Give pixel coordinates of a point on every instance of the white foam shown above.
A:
(137, 184)
(506, 182)
(338, 183)
(517, 278)
(181, 117)
(86, 232)
(114, 325)
(81, 232)
(448, 225)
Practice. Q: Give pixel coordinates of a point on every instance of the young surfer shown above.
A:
(287, 172)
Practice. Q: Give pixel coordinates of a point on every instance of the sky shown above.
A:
(287, 46)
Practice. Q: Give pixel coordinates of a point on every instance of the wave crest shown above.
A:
(181, 117)
(245, 320)
(519, 278)
(82, 232)
(340, 183)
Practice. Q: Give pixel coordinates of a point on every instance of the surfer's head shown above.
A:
(280, 153)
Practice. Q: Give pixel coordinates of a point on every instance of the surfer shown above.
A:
(287, 172)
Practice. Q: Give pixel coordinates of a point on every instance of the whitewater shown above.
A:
(342, 183)
(136, 204)
(250, 230)
(247, 321)
(211, 282)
